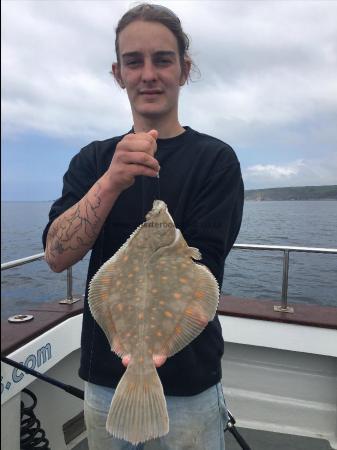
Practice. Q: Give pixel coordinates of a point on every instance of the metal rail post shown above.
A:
(70, 299)
(284, 306)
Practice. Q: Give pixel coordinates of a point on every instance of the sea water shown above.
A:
(249, 274)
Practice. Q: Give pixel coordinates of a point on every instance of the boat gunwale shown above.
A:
(48, 315)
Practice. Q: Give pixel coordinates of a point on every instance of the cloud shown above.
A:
(268, 81)
(297, 173)
(272, 62)
(274, 172)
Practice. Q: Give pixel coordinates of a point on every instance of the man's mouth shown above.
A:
(150, 92)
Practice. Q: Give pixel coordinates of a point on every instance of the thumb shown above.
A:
(153, 133)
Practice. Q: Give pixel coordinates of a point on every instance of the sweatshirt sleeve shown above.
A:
(79, 178)
(214, 218)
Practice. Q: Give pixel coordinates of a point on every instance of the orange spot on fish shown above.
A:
(141, 316)
(161, 302)
(177, 295)
(199, 294)
(178, 330)
(168, 314)
(120, 307)
(183, 280)
(154, 291)
(125, 258)
(159, 333)
(164, 278)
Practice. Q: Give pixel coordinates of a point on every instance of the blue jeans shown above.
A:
(196, 423)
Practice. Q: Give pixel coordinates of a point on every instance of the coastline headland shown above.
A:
(293, 193)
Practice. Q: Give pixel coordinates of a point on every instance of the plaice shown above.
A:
(150, 298)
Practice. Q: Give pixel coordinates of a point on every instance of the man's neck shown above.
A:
(165, 129)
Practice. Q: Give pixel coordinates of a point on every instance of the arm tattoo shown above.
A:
(78, 228)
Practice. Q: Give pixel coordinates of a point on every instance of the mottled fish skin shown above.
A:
(150, 298)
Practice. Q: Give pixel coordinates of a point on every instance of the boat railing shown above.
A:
(286, 250)
(40, 256)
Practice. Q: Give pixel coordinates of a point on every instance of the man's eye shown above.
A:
(133, 63)
(162, 62)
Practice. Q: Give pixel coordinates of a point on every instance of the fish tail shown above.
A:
(138, 411)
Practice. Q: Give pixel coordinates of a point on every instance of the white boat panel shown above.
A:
(281, 377)
(55, 407)
(278, 335)
(10, 418)
(41, 354)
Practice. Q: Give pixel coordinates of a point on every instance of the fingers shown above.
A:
(134, 156)
(139, 158)
(139, 142)
(158, 360)
(154, 134)
(126, 360)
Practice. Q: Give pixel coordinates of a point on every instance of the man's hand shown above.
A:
(158, 360)
(134, 155)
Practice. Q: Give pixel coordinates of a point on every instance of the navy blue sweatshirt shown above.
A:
(200, 181)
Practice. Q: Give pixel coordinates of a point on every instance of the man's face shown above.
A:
(150, 69)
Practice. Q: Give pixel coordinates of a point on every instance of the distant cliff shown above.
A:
(293, 193)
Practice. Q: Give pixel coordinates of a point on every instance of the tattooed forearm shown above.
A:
(73, 234)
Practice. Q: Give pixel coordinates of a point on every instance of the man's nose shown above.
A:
(149, 71)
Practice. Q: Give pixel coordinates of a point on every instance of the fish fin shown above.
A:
(195, 253)
(197, 313)
(180, 245)
(138, 410)
(100, 289)
(107, 324)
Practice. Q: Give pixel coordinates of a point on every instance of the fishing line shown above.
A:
(101, 244)
(150, 191)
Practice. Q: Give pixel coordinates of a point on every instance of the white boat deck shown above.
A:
(262, 440)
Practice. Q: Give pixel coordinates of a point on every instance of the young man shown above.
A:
(110, 186)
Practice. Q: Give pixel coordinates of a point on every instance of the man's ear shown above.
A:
(185, 71)
(117, 74)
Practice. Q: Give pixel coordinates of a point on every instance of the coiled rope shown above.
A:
(31, 434)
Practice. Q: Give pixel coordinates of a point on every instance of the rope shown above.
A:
(31, 434)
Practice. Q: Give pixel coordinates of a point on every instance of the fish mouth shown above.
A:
(157, 208)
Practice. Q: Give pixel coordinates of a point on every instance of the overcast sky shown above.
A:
(267, 87)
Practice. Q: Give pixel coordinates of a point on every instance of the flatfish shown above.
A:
(150, 298)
